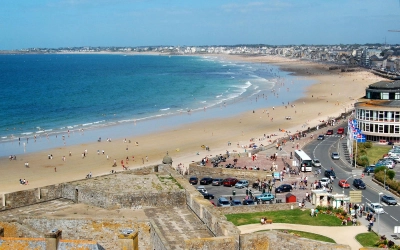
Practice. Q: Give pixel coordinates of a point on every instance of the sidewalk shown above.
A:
(342, 234)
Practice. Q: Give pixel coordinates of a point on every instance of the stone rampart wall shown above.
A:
(157, 239)
(251, 175)
(105, 232)
(220, 243)
(272, 240)
(32, 196)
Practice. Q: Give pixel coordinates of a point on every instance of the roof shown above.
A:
(290, 195)
(385, 85)
(378, 104)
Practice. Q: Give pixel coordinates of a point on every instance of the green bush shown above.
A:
(379, 169)
(363, 161)
(368, 144)
(390, 174)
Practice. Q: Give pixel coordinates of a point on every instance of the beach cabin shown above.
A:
(320, 197)
(290, 198)
(339, 200)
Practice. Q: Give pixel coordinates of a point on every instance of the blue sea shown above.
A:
(50, 94)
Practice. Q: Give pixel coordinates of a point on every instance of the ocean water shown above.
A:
(48, 95)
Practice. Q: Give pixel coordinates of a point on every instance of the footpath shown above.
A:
(341, 234)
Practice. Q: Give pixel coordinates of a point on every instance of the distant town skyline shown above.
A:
(70, 23)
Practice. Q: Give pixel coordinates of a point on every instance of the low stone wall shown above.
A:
(257, 208)
(105, 232)
(272, 240)
(220, 243)
(157, 239)
(32, 196)
(197, 170)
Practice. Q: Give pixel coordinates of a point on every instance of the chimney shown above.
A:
(1, 232)
(128, 240)
(52, 238)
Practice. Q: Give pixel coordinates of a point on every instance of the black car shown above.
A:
(329, 174)
(248, 202)
(206, 181)
(358, 183)
(283, 188)
(207, 196)
(193, 180)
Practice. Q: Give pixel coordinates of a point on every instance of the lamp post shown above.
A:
(379, 213)
(384, 180)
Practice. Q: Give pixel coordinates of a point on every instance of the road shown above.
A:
(322, 150)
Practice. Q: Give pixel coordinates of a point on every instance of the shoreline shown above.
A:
(183, 142)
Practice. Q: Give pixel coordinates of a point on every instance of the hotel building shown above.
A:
(378, 113)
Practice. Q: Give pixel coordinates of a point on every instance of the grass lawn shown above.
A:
(376, 152)
(307, 235)
(295, 216)
(367, 239)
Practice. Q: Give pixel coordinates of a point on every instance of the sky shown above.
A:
(75, 23)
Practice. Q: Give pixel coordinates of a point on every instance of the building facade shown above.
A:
(378, 113)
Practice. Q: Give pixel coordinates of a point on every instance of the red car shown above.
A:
(340, 131)
(329, 132)
(344, 184)
(230, 182)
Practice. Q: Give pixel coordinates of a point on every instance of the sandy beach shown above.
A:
(334, 92)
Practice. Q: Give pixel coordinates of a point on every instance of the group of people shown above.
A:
(12, 157)
(263, 220)
(23, 182)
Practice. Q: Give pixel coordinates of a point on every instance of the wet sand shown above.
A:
(333, 93)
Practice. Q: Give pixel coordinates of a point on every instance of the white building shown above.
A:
(378, 114)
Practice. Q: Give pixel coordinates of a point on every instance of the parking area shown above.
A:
(240, 194)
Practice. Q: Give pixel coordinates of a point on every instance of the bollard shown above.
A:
(233, 192)
(247, 192)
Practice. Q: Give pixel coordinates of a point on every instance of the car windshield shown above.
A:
(389, 198)
(316, 161)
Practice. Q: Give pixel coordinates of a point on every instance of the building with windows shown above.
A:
(378, 113)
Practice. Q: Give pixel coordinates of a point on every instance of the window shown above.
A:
(385, 96)
(380, 128)
(397, 96)
(381, 116)
(396, 129)
(367, 127)
(367, 117)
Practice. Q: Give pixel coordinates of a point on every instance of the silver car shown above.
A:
(242, 184)
(316, 163)
(335, 156)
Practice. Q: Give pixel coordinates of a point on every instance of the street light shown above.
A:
(379, 213)
(384, 180)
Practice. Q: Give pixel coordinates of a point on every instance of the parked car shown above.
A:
(207, 195)
(230, 182)
(390, 200)
(283, 188)
(202, 189)
(343, 184)
(321, 137)
(206, 181)
(193, 180)
(242, 184)
(265, 197)
(335, 156)
(329, 132)
(359, 184)
(217, 181)
(330, 174)
(369, 168)
(340, 131)
(316, 163)
(376, 208)
(223, 202)
(236, 203)
(248, 202)
(325, 181)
